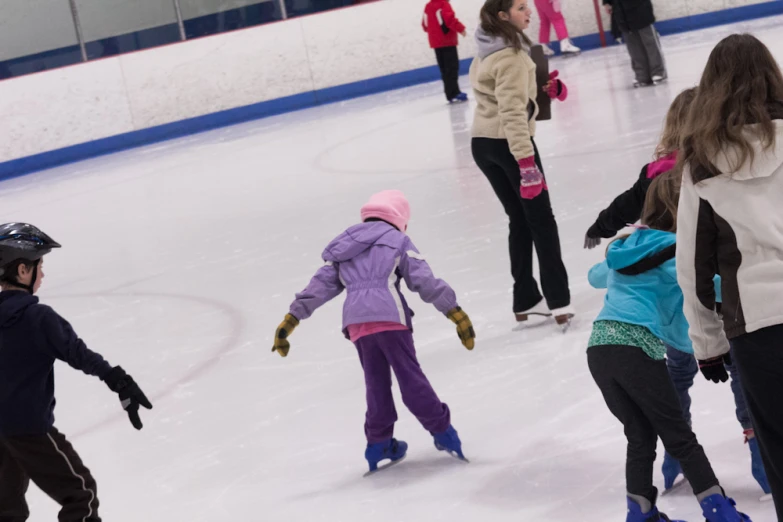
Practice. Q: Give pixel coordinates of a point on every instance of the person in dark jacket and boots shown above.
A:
(442, 26)
(635, 18)
(32, 337)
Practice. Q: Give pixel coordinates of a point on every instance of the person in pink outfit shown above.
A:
(551, 14)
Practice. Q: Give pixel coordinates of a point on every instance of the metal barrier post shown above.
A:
(78, 27)
(180, 22)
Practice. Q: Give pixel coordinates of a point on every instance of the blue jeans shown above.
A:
(683, 368)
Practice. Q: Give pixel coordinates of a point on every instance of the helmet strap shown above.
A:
(31, 287)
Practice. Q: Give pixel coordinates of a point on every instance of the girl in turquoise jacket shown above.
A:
(626, 356)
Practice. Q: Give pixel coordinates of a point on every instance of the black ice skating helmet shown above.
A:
(22, 241)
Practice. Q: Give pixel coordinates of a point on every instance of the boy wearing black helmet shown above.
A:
(32, 337)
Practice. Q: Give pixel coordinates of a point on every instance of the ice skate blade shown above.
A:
(456, 456)
(766, 498)
(678, 484)
(530, 320)
(564, 321)
(459, 457)
(385, 466)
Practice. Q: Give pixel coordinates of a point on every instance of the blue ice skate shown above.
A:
(671, 470)
(461, 98)
(757, 466)
(449, 442)
(717, 508)
(653, 515)
(392, 449)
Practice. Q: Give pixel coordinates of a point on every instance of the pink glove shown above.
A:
(531, 180)
(556, 89)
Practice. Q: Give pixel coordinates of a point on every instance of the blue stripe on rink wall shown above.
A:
(44, 160)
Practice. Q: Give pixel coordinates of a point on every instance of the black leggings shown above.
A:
(531, 222)
(640, 393)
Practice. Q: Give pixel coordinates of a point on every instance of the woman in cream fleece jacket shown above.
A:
(503, 77)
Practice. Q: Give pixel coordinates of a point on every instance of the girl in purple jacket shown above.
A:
(369, 260)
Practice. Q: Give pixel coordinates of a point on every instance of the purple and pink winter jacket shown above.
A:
(369, 260)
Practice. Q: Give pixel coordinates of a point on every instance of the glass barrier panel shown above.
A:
(113, 27)
(205, 17)
(36, 35)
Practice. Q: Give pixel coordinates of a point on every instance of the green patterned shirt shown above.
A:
(617, 333)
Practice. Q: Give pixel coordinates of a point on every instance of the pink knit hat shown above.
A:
(390, 206)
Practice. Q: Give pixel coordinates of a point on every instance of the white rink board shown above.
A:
(206, 75)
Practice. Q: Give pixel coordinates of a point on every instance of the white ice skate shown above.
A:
(547, 50)
(657, 79)
(568, 48)
(563, 317)
(539, 311)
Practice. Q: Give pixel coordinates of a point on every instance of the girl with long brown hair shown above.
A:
(642, 314)
(731, 223)
(503, 77)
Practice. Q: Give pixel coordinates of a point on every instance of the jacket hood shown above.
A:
(13, 304)
(489, 44)
(356, 240)
(765, 162)
(639, 245)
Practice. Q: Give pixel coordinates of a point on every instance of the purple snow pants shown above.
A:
(381, 353)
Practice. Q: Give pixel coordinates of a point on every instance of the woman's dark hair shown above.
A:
(740, 85)
(10, 275)
(492, 24)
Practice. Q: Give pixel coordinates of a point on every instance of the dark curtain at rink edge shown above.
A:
(39, 35)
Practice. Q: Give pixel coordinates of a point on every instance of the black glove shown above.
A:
(591, 242)
(130, 394)
(593, 236)
(715, 369)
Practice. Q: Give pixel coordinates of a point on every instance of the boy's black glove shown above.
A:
(130, 394)
(715, 369)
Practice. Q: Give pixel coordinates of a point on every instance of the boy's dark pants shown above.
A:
(644, 46)
(448, 62)
(639, 392)
(53, 465)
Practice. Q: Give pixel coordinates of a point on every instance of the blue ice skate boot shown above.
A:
(391, 449)
(719, 508)
(461, 98)
(449, 442)
(635, 513)
(671, 470)
(756, 465)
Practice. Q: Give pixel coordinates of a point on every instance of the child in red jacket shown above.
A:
(443, 28)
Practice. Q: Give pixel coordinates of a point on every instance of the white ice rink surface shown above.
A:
(181, 258)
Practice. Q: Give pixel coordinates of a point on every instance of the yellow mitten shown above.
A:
(464, 327)
(285, 329)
